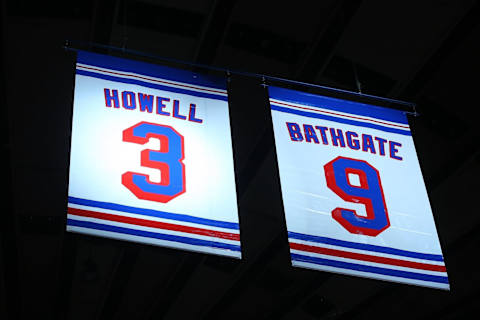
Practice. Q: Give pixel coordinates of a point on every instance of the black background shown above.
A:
(421, 51)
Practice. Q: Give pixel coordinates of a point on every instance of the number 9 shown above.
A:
(369, 193)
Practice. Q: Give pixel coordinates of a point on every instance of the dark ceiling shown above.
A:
(423, 51)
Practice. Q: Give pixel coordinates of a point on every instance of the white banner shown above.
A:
(354, 197)
(151, 157)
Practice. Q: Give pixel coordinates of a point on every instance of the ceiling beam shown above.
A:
(323, 47)
(119, 281)
(244, 278)
(103, 20)
(302, 293)
(9, 245)
(450, 311)
(170, 293)
(414, 88)
(214, 31)
(246, 173)
(66, 274)
(101, 26)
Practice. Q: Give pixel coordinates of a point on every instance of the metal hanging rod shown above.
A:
(71, 45)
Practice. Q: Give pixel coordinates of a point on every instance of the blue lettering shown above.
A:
(294, 131)
(352, 143)
(176, 114)
(111, 97)
(381, 145)
(367, 143)
(128, 100)
(310, 133)
(161, 106)
(337, 137)
(323, 134)
(394, 150)
(145, 102)
(191, 114)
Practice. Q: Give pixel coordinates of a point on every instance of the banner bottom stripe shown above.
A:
(367, 257)
(152, 224)
(154, 235)
(370, 269)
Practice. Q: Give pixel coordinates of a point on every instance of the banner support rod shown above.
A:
(70, 45)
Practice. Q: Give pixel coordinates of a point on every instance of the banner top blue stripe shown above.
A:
(152, 85)
(364, 246)
(151, 70)
(153, 213)
(341, 120)
(341, 105)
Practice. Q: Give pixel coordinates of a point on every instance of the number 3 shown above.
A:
(168, 160)
(369, 193)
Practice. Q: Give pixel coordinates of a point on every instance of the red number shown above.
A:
(168, 160)
(368, 193)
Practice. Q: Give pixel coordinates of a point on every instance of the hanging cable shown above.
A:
(357, 80)
(124, 27)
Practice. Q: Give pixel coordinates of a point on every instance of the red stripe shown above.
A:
(152, 224)
(366, 257)
(342, 115)
(166, 82)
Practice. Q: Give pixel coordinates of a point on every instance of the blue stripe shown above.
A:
(155, 235)
(341, 120)
(154, 213)
(151, 85)
(357, 108)
(152, 70)
(371, 269)
(363, 246)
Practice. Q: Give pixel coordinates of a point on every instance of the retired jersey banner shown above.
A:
(354, 197)
(151, 157)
